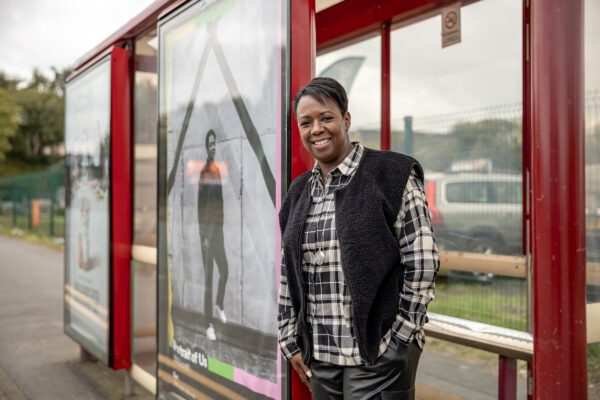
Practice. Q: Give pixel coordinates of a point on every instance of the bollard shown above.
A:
(35, 213)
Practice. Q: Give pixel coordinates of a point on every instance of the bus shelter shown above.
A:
(181, 143)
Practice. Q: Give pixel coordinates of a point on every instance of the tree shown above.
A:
(9, 121)
(60, 79)
(40, 117)
(41, 125)
(499, 140)
(7, 83)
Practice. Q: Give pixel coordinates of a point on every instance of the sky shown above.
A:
(482, 71)
(45, 33)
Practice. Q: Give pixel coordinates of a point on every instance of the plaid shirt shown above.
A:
(328, 301)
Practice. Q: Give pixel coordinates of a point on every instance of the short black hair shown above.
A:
(209, 134)
(323, 87)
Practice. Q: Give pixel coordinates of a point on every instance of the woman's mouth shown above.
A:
(321, 143)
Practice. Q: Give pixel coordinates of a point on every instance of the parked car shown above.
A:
(476, 212)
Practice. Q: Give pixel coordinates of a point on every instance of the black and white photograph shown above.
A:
(220, 112)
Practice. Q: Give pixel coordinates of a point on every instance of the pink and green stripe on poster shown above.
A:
(258, 385)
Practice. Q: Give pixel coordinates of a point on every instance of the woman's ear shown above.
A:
(347, 121)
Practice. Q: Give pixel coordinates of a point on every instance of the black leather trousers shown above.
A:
(392, 377)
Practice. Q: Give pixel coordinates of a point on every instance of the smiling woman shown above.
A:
(340, 323)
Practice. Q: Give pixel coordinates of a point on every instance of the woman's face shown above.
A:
(323, 130)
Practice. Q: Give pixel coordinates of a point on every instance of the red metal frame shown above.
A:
(121, 208)
(353, 19)
(558, 199)
(302, 61)
(507, 378)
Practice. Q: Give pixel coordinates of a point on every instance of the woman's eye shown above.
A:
(326, 119)
(304, 124)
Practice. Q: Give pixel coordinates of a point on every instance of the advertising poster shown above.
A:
(220, 107)
(87, 215)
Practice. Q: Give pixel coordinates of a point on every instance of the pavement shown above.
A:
(38, 361)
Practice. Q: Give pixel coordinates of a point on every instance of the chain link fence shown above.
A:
(34, 202)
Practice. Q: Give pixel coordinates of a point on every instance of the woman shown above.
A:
(358, 260)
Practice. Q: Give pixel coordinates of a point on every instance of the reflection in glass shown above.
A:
(87, 251)
(458, 111)
(143, 296)
(358, 68)
(144, 315)
(146, 119)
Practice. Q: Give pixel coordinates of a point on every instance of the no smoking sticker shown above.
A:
(451, 25)
(450, 20)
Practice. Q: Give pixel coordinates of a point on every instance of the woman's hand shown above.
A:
(303, 371)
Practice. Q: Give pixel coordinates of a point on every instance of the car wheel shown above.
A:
(484, 246)
(488, 247)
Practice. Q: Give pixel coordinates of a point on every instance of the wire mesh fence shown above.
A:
(34, 202)
(473, 172)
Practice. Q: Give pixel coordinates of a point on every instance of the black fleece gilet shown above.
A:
(365, 212)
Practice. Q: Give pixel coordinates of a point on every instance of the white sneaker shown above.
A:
(210, 333)
(222, 315)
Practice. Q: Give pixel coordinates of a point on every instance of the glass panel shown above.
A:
(592, 145)
(222, 82)
(146, 122)
(458, 110)
(144, 315)
(467, 192)
(145, 187)
(358, 68)
(87, 251)
(592, 178)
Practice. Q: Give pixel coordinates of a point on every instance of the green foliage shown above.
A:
(31, 120)
(503, 302)
(9, 122)
(8, 83)
(499, 140)
(41, 125)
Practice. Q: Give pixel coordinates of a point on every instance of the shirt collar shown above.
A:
(347, 166)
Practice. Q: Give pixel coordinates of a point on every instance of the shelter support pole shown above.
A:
(507, 378)
(302, 65)
(558, 199)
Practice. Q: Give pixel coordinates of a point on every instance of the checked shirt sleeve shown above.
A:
(420, 256)
(287, 317)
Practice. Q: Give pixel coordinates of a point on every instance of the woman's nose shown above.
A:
(316, 127)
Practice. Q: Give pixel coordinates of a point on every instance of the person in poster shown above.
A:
(210, 221)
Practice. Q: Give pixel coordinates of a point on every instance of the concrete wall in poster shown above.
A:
(249, 221)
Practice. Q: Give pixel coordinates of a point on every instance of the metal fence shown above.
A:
(34, 202)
